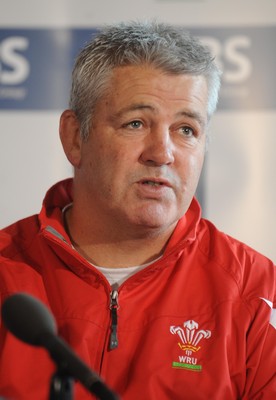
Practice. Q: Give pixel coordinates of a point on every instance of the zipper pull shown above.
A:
(114, 306)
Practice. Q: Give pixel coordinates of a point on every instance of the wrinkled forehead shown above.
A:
(149, 89)
(150, 77)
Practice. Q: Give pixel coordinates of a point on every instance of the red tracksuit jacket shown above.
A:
(196, 324)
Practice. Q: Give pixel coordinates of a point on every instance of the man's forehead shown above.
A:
(130, 110)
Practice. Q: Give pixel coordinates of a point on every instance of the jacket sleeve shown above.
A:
(261, 353)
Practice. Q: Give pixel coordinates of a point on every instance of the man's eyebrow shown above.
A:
(133, 107)
(143, 106)
(193, 115)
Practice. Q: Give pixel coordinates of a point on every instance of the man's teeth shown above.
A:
(151, 183)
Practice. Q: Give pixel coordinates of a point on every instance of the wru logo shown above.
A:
(190, 336)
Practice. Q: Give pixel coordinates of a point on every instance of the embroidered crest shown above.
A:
(190, 337)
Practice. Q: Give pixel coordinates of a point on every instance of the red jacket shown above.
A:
(196, 324)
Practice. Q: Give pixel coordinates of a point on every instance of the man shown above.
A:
(150, 295)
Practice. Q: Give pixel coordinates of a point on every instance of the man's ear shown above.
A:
(69, 132)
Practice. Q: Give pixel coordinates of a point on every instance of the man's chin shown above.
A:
(156, 223)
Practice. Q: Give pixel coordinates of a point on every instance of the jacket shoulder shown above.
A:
(18, 237)
(19, 255)
(253, 272)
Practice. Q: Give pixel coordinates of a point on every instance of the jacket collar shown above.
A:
(60, 195)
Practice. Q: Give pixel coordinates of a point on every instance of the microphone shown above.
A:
(30, 321)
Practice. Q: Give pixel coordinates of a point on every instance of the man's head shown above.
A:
(167, 48)
(141, 99)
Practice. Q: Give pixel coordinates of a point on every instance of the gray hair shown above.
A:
(162, 46)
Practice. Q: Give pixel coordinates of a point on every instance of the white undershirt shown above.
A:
(116, 276)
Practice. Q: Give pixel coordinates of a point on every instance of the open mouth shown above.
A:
(152, 183)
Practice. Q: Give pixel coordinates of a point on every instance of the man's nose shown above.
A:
(158, 147)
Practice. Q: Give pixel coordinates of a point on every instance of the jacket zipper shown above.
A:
(114, 306)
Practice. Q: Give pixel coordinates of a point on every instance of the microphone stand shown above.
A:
(61, 386)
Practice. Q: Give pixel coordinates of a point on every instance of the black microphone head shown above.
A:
(27, 318)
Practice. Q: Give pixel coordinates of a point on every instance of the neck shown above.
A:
(113, 249)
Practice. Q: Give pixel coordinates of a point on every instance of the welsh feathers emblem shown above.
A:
(190, 336)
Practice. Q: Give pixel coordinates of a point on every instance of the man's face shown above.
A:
(142, 161)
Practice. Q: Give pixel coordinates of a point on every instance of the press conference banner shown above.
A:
(36, 66)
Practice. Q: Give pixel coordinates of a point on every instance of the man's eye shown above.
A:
(135, 124)
(187, 131)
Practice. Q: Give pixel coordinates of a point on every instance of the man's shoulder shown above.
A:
(221, 245)
(251, 270)
(17, 237)
(19, 256)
